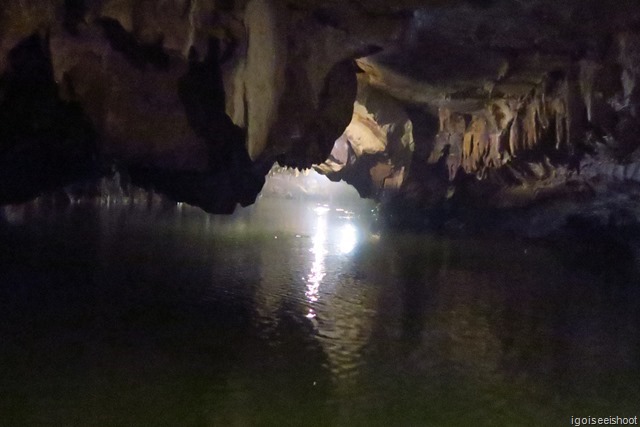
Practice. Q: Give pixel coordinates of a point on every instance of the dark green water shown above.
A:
(118, 316)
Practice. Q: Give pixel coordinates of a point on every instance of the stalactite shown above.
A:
(588, 70)
(444, 116)
(493, 159)
(514, 135)
(467, 151)
(505, 128)
(482, 144)
(193, 11)
(454, 160)
(560, 117)
(529, 128)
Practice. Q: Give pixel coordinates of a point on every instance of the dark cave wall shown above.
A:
(45, 142)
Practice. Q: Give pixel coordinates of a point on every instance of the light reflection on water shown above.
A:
(319, 251)
(121, 316)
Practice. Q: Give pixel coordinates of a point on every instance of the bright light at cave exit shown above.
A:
(323, 205)
(348, 238)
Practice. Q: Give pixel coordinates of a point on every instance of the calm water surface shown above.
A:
(294, 314)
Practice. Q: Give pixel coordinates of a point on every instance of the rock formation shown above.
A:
(446, 106)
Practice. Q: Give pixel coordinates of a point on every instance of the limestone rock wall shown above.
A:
(375, 151)
(211, 89)
(531, 124)
(435, 101)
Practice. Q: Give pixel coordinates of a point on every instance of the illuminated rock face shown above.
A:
(375, 151)
(427, 102)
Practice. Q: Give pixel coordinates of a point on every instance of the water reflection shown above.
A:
(107, 318)
(319, 251)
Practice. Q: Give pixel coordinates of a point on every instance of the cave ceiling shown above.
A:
(197, 99)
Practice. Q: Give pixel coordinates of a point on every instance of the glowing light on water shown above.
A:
(343, 238)
(319, 250)
(348, 238)
(321, 210)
